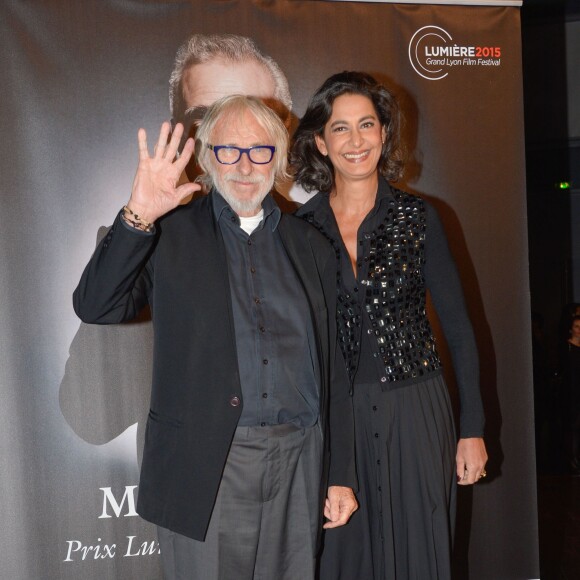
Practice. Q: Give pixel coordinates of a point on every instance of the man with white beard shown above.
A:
(250, 435)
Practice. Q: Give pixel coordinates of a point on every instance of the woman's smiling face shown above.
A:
(353, 137)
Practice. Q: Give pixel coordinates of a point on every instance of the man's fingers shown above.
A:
(162, 141)
(187, 189)
(142, 141)
(171, 150)
(185, 156)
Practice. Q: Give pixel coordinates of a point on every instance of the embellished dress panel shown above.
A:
(383, 310)
(384, 332)
(395, 293)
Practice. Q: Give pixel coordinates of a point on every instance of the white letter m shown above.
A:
(109, 498)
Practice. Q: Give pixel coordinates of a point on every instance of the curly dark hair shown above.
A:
(315, 172)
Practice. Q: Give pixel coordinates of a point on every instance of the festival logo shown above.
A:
(433, 53)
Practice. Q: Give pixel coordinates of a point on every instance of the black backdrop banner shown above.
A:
(78, 80)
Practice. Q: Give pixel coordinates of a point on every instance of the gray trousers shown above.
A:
(265, 519)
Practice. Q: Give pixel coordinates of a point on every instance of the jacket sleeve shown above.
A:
(341, 414)
(117, 281)
(341, 424)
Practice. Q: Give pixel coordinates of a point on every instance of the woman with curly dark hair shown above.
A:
(390, 249)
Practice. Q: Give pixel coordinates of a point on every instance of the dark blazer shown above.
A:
(196, 398)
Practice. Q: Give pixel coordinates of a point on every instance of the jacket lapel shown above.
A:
(302, 258)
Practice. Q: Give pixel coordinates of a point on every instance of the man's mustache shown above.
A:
(244, 178)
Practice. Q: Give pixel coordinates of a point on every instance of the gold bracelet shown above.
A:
(136, 221)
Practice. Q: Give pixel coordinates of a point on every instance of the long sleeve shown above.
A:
(115, 284)
(442, 280)
(341, 422)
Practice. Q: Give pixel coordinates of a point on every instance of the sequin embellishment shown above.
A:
(394, 299)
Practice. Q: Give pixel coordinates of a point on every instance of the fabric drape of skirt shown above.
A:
(405, 445)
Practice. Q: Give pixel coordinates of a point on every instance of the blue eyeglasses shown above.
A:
(230, 155)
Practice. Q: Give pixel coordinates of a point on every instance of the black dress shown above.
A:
(405, 437)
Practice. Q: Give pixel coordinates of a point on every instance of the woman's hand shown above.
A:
(340, 504)
(154, 190)
(471, 459)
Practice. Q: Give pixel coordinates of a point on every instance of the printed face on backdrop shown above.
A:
(243, 184)
(352, 138)
(205, 83)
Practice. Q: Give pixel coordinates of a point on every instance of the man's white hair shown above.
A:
(201, 48)
(228, 108)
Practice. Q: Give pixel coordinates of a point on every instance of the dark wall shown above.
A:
(547, 163)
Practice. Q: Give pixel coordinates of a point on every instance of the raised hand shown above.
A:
(155, 191)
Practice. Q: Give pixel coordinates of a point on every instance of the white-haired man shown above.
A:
(206, 68)
(249, 391)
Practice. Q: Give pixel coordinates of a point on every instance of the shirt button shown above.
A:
(264, 395)
(262, 329)
(235, 401)
(374, 407)
(253, 270)
(265, 361)
(377, 435)
(262, 424)
(257, 301)
(249, 242)
(383, 379)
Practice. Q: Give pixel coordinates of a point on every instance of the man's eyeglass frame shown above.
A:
(241, 151)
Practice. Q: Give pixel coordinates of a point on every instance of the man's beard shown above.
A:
(250, 205)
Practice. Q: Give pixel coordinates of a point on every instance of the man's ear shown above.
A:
(319, 140)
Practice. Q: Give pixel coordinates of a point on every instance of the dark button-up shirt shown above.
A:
(275, 341)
